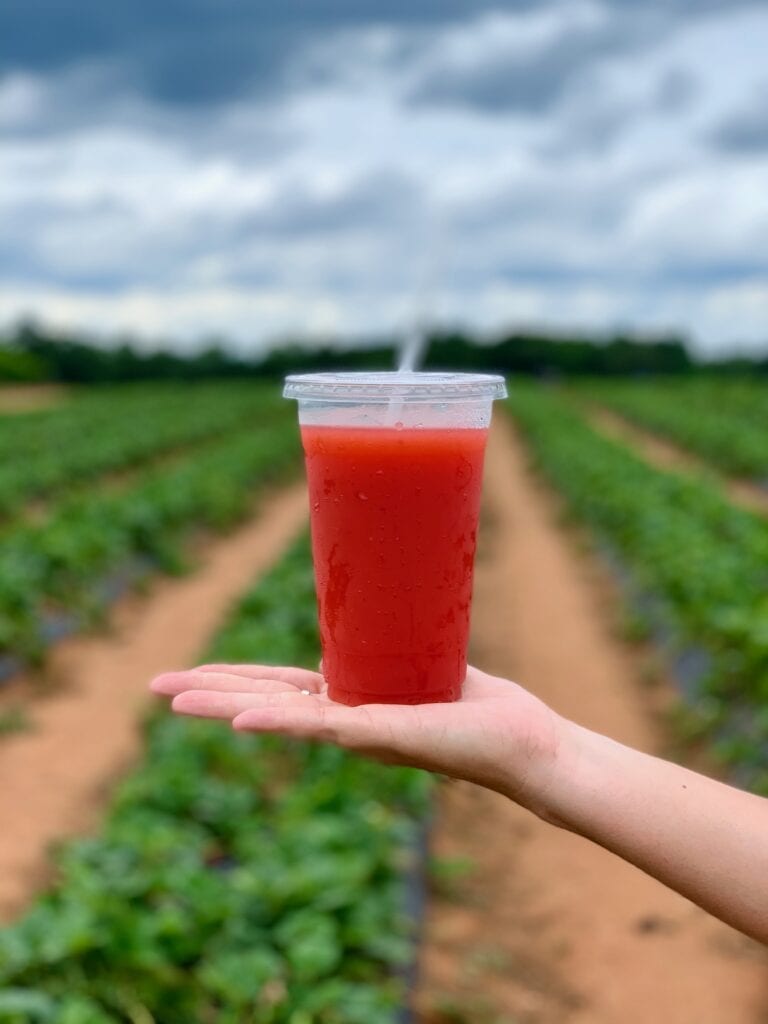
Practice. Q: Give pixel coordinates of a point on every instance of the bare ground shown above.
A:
(25, 397)
(666, 455)
(54, 778)
(548, 928)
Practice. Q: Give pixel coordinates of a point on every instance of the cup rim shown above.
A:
(389, 385)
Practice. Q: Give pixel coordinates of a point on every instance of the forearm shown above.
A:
(704, 839)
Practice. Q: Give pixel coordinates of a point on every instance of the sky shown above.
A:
(179, 169)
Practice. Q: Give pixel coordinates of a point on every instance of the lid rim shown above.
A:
(387, 385)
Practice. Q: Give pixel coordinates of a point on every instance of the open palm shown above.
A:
(497, 735)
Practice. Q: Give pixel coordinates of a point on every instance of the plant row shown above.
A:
(63, 568)
(118, 428)
(724, 422)
(698, 566)
(237, 879)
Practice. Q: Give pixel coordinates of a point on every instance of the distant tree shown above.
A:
(71, 359)
(17, 366)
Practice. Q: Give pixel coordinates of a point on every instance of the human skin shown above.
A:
(706, 840)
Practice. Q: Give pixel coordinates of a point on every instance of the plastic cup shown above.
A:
(394, 465)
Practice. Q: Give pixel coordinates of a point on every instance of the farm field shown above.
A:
(694, 567)
(723, 421)
(221, 878)
(61, 564)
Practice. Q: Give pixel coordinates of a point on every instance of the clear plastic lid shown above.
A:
(391, 386)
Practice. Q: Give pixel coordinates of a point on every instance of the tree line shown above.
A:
(30, 353)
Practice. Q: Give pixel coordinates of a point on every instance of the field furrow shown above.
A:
(665, 454)
(60, 573)
(723, 422)
(55, 775)
(43, 453)
(694, 567)
(233, 874)
(537, 924)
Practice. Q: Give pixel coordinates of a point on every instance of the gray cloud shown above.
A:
(94, 97)
(675, 91)
(746, 131)
(529, 82)
(187, 53)
(534, 80)
(593, 123)
(383, 200)
(101, 242)
(200, 52)
(199, 164)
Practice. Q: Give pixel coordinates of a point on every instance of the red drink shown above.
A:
(394, 524)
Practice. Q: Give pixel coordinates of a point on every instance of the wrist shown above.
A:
(569, 775)
(539, 773)
(587, 780)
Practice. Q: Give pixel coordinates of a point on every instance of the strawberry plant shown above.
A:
(724, 422)
(237, 879)
(118, 428)
(697, 566)
(56, 569)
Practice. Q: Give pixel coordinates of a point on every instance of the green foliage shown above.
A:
(698, 564)
(237, 879)
(117, 429)
(60, 564)
(71, 359)
(18, 366)
(723, 421)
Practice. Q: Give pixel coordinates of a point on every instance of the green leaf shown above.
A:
(311, 943)
(239, 978)
(23, 1006)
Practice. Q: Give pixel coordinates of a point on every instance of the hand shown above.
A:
(498, 735)
(704, 839)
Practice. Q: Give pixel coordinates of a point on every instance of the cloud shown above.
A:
(746, 130)
(592, 121)
(541, 59)
(261, 170)
(184, 53)
(122, 209)
(525, 65)
(91, 101)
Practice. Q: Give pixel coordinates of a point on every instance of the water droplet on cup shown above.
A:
(361, 496)
(399, 425)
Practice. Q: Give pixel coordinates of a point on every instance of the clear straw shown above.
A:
(412, 353)
(416, 339)
(413, 348)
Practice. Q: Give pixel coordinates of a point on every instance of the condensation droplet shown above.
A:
(399, 425)
(361, 496)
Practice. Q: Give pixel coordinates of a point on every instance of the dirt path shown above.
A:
(666, 455)
(547, 928)
(25, 397)
(54, 778)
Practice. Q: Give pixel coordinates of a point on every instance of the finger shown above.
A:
(171, 683)
(302, 678)
(219, 704)
(348, 727)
